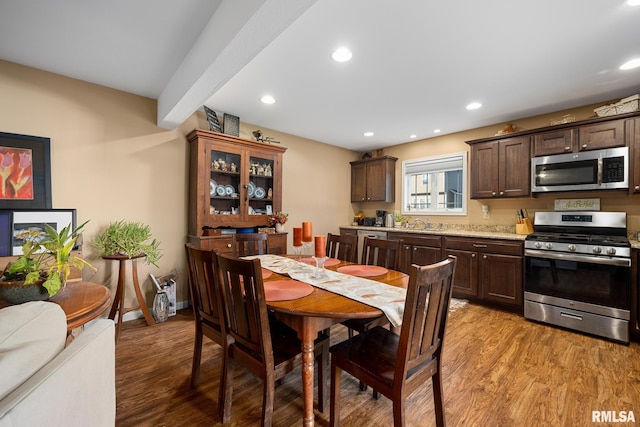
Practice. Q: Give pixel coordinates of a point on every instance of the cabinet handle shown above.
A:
(415, 249)
(484, 257)
(584, 145)
(637, 188)
(473, 255)
(246, 193)
(368, 198)
(478, 245)
(567, 148)
(502, 193)
(363, 199)
(493, 193)
(229, 245)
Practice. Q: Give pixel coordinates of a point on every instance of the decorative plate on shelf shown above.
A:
(220, 190)
(252, 188)
(251, 211)
(260, 193)
(229, 190)
(212, 188)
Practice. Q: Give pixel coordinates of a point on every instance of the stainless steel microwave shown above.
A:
(606, 169)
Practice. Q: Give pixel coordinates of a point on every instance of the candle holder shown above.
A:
(319, 271)
(307, 245)
(298, 258)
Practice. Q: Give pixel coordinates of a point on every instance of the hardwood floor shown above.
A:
(499, 370)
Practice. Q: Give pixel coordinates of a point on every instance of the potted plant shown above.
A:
(128, 238)
(44, 266)
(279, 219)
(397, 219)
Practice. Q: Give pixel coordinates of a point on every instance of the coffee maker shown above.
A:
(380, 218)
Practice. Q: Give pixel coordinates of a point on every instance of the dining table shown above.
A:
(318, 311)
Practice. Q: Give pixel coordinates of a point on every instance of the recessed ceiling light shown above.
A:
(436, 131)
(474, 106)
(341, 54)
(633, 2)
(268, 99)
(413, 136)
(368, 134)
(634, 63)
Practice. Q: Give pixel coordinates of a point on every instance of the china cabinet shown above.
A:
(233, 182)
(373, 180)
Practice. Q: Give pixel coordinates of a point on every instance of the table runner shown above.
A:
(389, 299)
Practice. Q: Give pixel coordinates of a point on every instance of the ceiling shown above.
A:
(416, 64)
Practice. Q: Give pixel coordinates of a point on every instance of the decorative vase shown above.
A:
(279, 228)
(398, 224)
(15, 292)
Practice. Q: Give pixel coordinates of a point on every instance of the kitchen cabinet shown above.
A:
(632, 127)
(487, 270)
(373, 180)
(224, 243)
(418, 249)
(596, 136)
(233, 182)
(634, 322)
(500, 168)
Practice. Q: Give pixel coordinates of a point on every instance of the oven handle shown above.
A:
(618, 262)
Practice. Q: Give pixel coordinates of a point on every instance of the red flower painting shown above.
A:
(16, 172)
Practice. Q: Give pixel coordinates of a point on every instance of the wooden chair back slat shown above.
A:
(342, 247)
(382, 252)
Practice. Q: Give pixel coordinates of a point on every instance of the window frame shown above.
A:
(439, 158)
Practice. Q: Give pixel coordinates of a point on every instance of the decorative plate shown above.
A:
(252, 188)
(212, 187)
(251, 211)
(260, 193)
(229, 190)
(220, 190)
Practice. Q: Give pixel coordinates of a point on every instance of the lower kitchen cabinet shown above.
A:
(487, 270)
(420, 250)
(634, 323)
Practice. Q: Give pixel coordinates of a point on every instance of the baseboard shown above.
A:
(137, 314)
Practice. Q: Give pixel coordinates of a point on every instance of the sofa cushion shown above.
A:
(31, 335)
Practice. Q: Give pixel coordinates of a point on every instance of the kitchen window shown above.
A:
(435, 185)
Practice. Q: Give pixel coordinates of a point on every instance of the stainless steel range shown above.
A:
(577, 273)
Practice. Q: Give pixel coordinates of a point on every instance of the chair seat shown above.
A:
(363, 325)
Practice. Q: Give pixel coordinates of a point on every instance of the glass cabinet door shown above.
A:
(260, 188)
(225, 185)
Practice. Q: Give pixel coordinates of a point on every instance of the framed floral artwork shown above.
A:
(25, 172)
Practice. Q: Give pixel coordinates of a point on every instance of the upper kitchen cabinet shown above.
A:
(582, 138)
(233, 182)
(373, 180)
(632, 128)
(500, 168)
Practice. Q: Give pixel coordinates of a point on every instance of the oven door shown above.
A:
(594, 280)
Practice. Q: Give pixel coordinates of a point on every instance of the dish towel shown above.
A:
(389, 299)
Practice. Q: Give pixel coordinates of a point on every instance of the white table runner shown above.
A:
(389, 299)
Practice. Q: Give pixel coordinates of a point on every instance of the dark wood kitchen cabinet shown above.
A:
(634, 323)
(487, 270)
(500, 168)
(595, 136)
(632, 127)
(373, 180)
(418, 249)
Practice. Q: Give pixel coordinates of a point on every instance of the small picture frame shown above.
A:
(34, 220)
(231, 124)
(212, 118)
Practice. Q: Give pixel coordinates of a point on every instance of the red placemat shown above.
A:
(328, 263)
(266, 273)
(284, 290)
(363, 270)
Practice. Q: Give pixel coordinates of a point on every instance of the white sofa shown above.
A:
(45, 383)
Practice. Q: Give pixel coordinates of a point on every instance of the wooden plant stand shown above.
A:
(118, 301)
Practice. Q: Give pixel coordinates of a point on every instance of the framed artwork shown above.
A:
(25, 172)
(26, 221)
(212, 118)
(231, 124)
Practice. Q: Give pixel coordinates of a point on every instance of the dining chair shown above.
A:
(342, 247)
(404, 362)
(207, 305)
(251, 244)
(266, 347)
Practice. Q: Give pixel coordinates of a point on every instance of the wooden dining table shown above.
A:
(318, 311)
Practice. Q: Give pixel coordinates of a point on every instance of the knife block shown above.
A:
(525, 228)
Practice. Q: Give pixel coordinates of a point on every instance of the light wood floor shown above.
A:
(499, 370)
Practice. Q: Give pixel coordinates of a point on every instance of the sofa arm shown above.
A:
(77, 388)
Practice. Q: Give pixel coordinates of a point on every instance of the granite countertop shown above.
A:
(488, 232)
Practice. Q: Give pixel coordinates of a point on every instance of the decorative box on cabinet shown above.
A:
(417, 249)
(373, 180)
(487, 270)
(249, 172)
(500, 168)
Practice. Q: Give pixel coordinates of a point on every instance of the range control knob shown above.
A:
(611, 251)
(597, 249)
(548, 246)
(572, 248)
(538, 245)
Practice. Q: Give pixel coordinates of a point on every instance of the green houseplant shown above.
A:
(128, 238)
(46, 260)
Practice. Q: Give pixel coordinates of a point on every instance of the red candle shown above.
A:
(307, 232)
(297, 236)
(321, 246)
